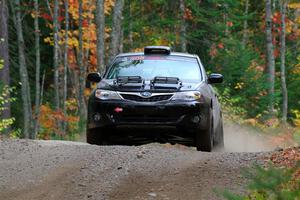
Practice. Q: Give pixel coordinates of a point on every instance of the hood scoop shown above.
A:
(129, 82)
(166, 83)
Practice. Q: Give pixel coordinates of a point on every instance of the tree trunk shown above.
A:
(182, 26)
(82, 105)
(121, 44)
(66, 64)
(245, 28)
(100, 21)
(116, 29)
(270, 56)
(56, 61)
(283, 7)
(130, 36)
(4, 72)
(25, 89)
(37, 69)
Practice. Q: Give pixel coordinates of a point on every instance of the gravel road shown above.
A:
(35, 170)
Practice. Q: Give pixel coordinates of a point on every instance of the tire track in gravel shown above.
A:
(51, 170)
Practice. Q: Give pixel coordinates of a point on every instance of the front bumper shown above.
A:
(168, 113)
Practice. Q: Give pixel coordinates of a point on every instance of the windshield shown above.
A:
(148, 67)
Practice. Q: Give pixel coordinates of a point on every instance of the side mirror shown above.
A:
(215, 78)
(94, 77)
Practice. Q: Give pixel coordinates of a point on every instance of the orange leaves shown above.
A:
(213, 52)
(89, 31)
(221, 45)
(288, 157)
(229, 24)
(188, 14)
(49, 119)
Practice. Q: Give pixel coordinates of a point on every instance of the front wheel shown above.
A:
(204, 138)
(97, 136)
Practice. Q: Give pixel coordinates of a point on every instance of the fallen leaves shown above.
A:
(287, 158)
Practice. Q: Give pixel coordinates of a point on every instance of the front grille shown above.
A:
(155, 98)
(135, 118)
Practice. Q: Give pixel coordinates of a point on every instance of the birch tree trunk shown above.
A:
(37, 68)
(182, 26)
(100, 21)
(25, 89)
(4, 72)
(270, 56)
(56, 54)
(245, 28)
(116, 29)
(283, 7)
(66, 64)
(82, 105)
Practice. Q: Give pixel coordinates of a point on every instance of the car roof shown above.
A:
(142, 54)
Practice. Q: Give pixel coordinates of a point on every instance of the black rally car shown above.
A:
(156, 87)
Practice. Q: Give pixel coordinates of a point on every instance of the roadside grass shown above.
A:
(277, 179)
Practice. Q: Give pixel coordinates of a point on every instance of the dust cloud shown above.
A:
(240, 138)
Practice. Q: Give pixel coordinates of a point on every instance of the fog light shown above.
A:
(196, 119)
(97, 117)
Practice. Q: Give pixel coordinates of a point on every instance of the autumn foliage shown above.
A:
(49, 119)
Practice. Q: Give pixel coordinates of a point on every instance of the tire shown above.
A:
(204, 138)
(97, 136)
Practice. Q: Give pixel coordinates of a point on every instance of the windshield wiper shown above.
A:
(171, 83)
(130, 82)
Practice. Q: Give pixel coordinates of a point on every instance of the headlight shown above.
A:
(187, 96)
(107, 95)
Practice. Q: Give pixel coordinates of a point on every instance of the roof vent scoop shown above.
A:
(157, 50)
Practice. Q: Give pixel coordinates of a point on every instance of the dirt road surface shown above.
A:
(37, 170)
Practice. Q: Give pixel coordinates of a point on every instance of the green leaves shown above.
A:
(5, 99)
(269, 183)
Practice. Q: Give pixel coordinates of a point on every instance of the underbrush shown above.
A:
(281, 134)
(278, 179)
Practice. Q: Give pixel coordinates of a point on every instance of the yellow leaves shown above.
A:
(239, 86)
(1, 63)
(297, 118)
(49, 40)
(289, 26)
(33, 15)
(294, 5)
(251, 122)
(73, 42)
(296, 69)
(297, 20)
(71, 104)
(89, 31)
(5, 123)
(108, 5)
(88, 15)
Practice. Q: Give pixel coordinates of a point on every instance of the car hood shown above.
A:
(108, 84)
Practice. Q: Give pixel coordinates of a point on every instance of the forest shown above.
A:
(48, 47)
